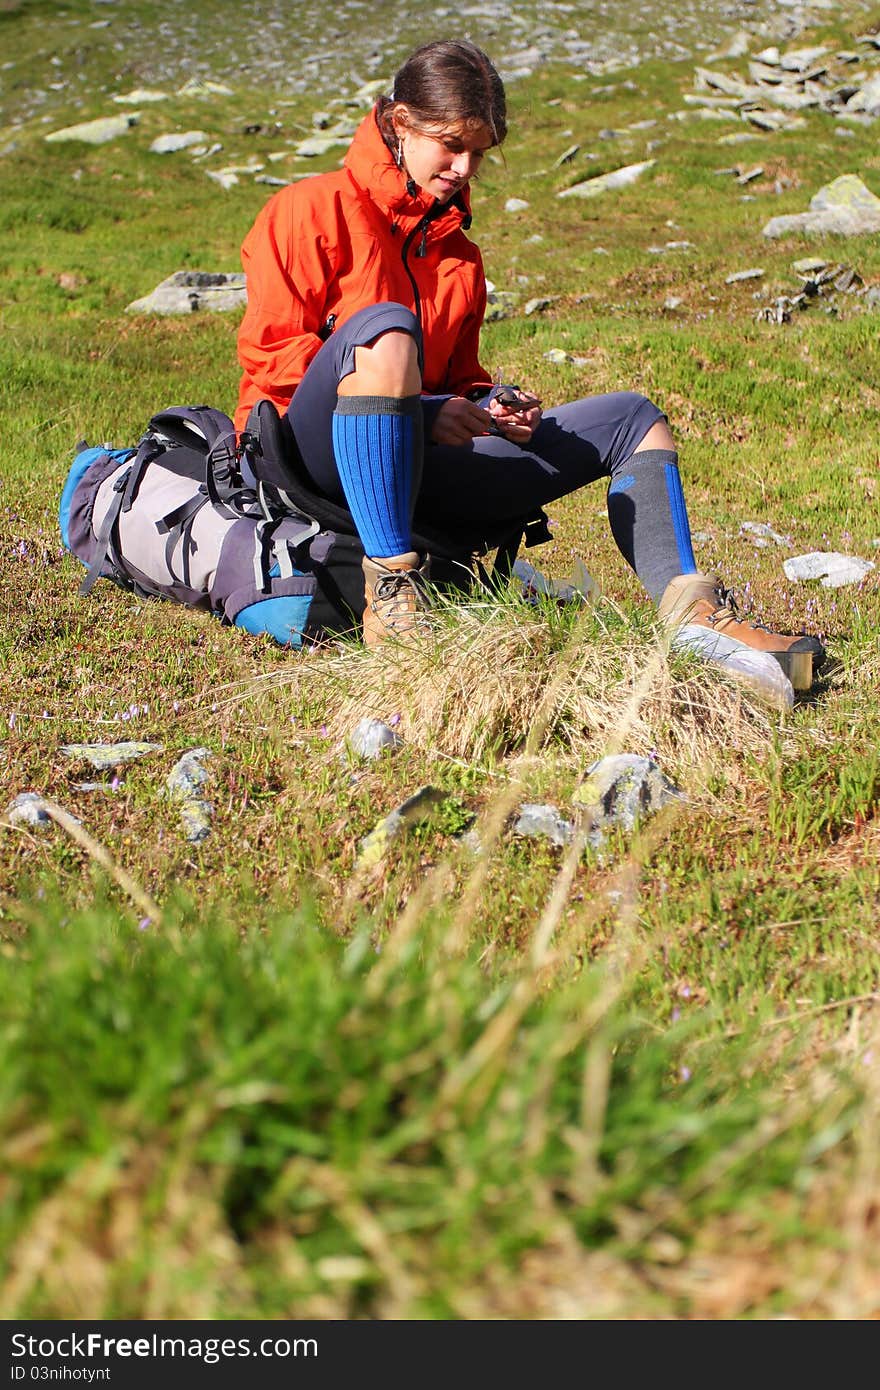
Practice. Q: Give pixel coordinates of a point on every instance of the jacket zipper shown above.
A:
(420, 227)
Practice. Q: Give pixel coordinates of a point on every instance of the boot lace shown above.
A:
(727, 608)
(398, 596)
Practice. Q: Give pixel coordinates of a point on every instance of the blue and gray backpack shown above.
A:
(232, 524)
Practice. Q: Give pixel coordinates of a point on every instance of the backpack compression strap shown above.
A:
(124, 491)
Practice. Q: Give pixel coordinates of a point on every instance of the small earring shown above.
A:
(399, 155)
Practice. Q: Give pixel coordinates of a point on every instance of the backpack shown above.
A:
(232, 524)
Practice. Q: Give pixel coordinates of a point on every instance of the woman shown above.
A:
(365, 301)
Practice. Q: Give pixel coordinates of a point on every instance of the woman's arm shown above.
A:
(288, 268)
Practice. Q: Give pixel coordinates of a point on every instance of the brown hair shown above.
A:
(450, 82)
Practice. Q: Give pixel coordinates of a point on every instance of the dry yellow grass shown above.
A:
(494, 679)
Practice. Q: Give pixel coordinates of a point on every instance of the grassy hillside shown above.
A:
(481, 1076)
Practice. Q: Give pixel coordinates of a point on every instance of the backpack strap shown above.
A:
(102, 542)
(125, 491)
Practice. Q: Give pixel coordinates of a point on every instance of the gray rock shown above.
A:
(538, 305)
(227, 178)
(367, 93)
(566, 157)
(711, 103)
(515, 205)
(316, 145)
(741, 137)
(738, 46)
(581, 586)
(543, 822)
(197, 87)
(845, 207)
(189, 291)
(418, 807)
(617, 178)
(703, 112)
(738, 275)
(761, 534)
(833, 569)
(106, 755)
(774, 120)
(28, 809)
(97, 132)
(801, 60)
(177, 140)
(622, 789)
(185, 785)
(141, 96)
(335, 137)
(867, 98)
(500, 304)
(370, 738)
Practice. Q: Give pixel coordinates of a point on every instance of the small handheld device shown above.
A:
(508, 396)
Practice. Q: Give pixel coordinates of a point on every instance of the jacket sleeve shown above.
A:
(466, 374)
(288, 267)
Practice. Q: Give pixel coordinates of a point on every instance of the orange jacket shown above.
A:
(339, 242)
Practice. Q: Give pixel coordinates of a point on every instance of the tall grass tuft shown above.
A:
(200, 1123)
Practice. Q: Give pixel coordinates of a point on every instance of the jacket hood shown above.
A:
(373, 167)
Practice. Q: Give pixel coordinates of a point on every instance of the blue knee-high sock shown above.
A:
(649, 520)
(377, 444)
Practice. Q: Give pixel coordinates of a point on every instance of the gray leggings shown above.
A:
(490, 479)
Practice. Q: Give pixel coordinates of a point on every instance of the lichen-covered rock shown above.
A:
(620, 790)
(185, 786)
(106, 755)
(418, 807)
(188, 291)
(846, 207)
(540, 821)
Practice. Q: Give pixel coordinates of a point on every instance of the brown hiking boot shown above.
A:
(395, 596)
(702, 600)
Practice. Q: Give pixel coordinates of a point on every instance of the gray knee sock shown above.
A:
(649, 520)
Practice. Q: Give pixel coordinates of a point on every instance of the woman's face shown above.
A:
(441, 159)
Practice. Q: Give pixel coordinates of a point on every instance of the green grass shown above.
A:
(456, 1084)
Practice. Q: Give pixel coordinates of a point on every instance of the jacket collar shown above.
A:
(373, 168)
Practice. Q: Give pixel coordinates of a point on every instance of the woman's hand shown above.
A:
(515, 414)
(459, 421)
